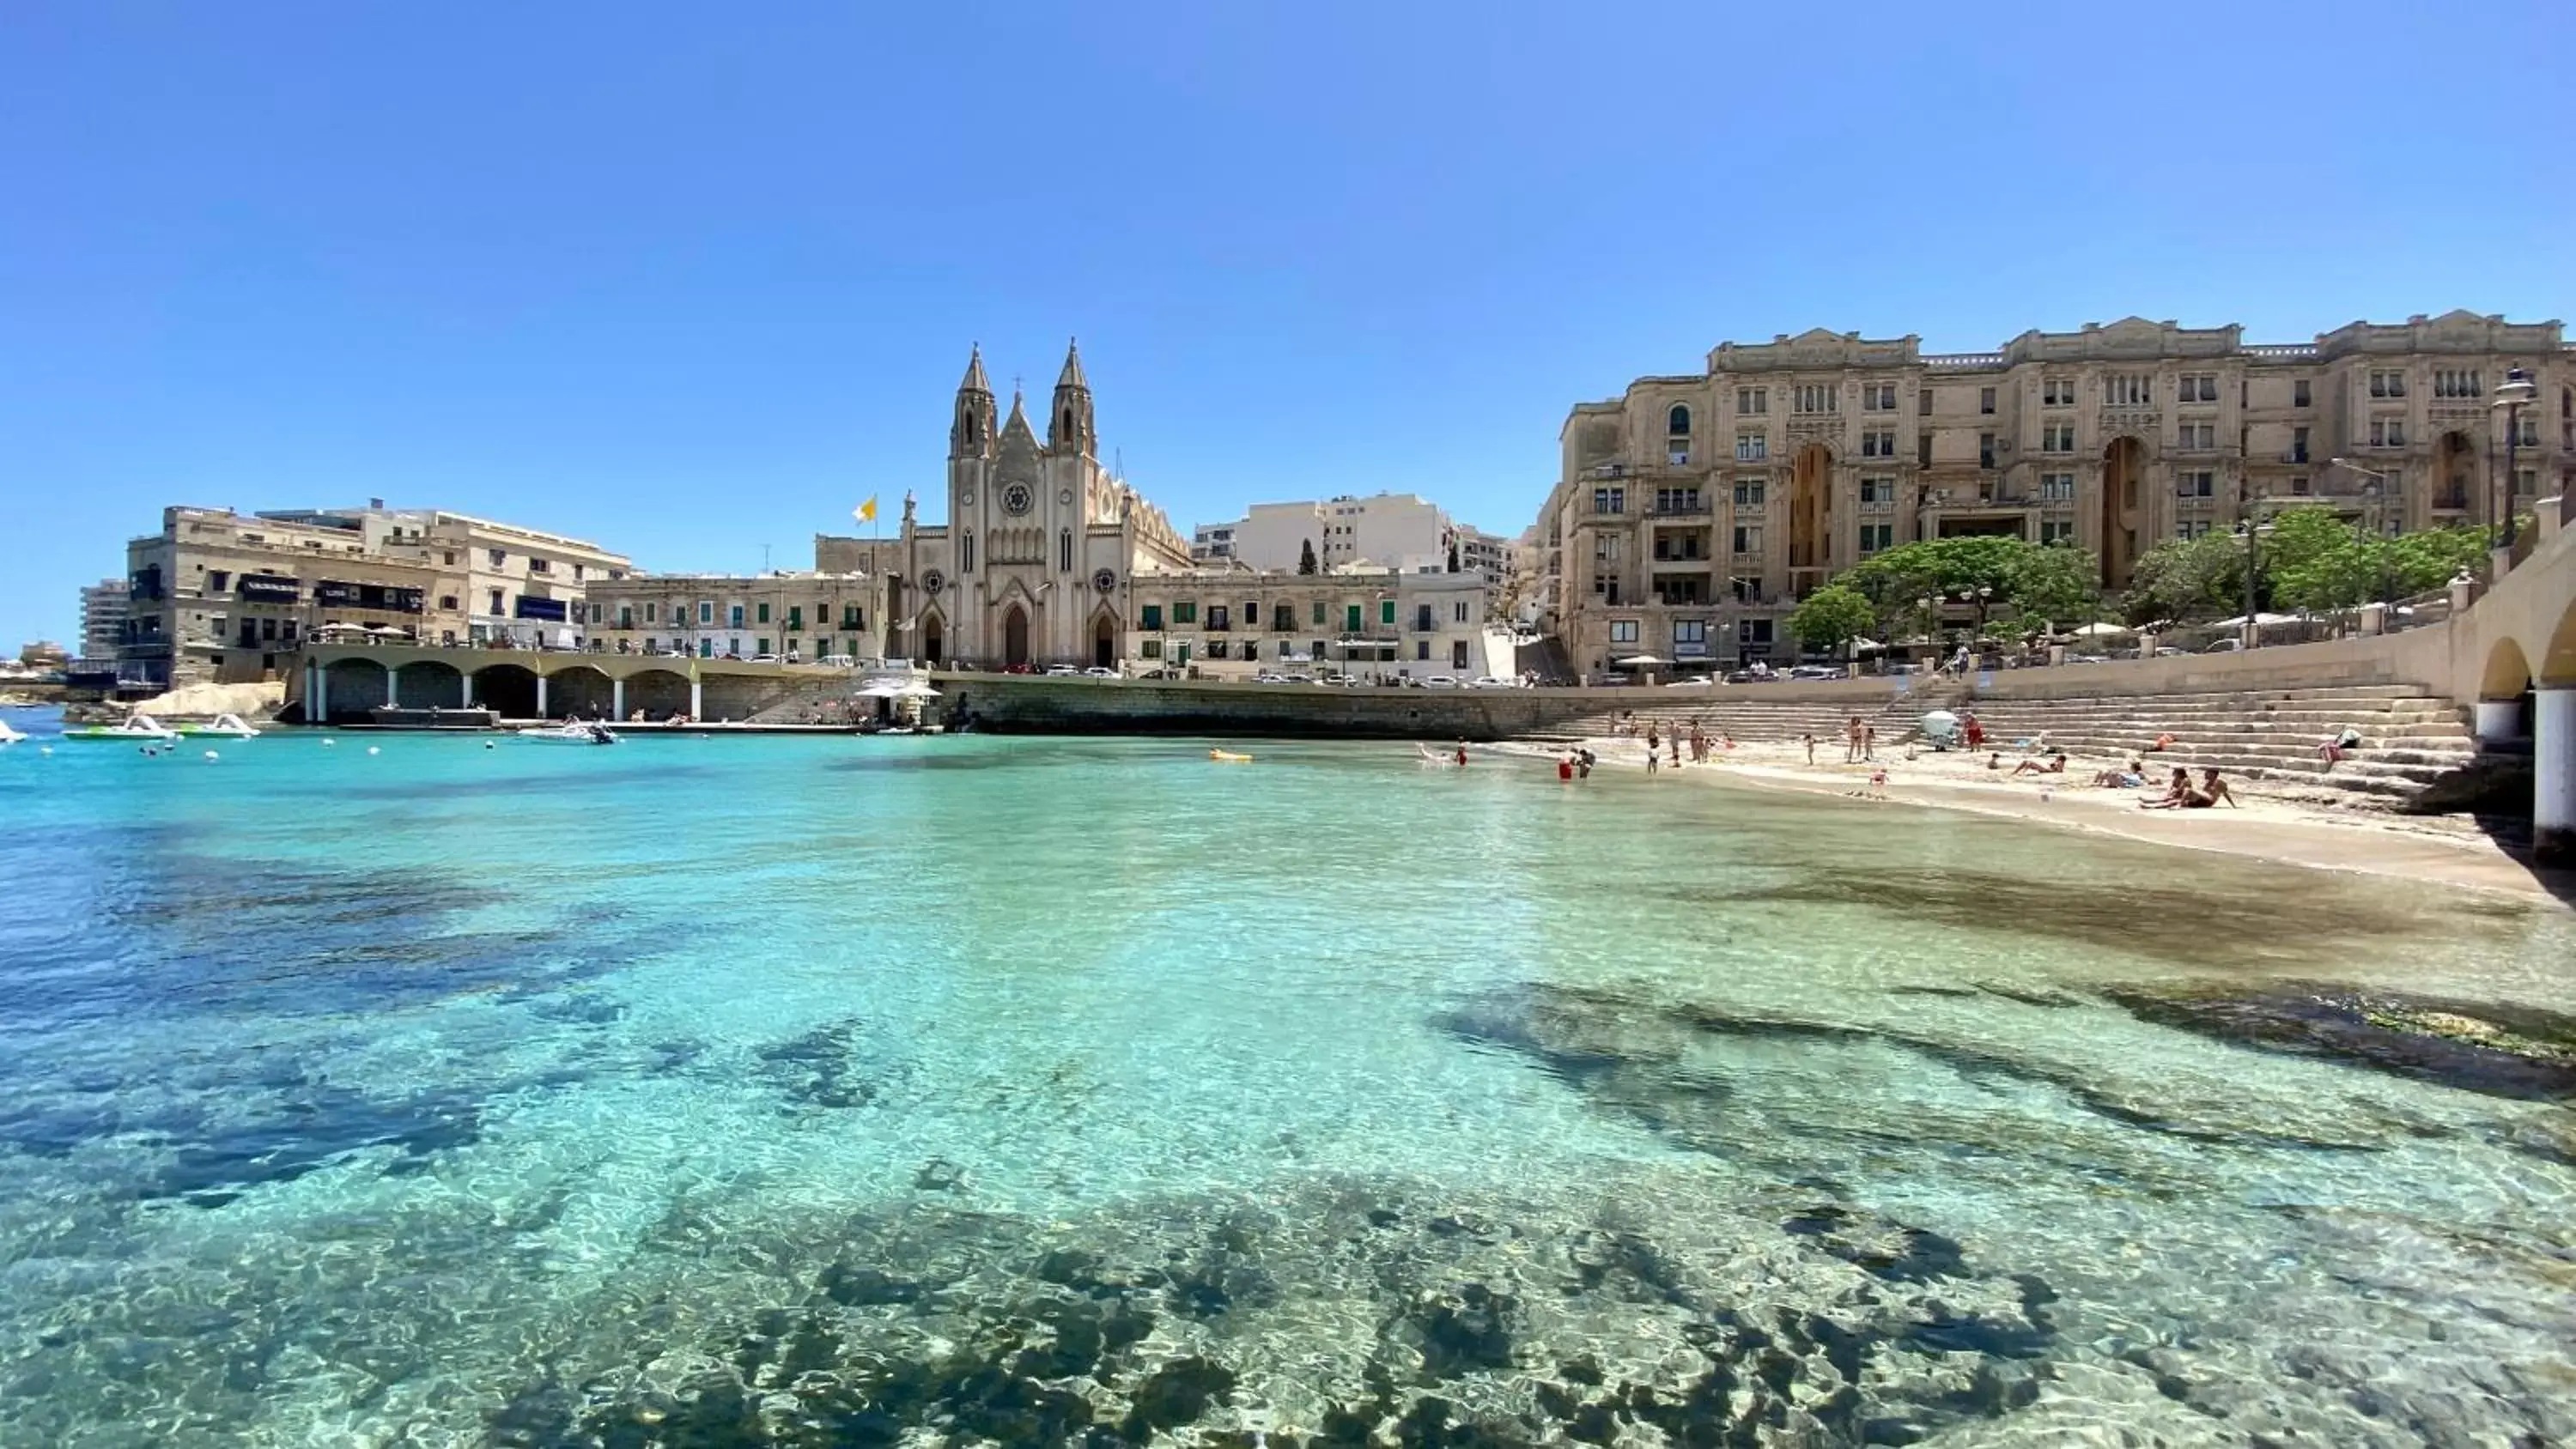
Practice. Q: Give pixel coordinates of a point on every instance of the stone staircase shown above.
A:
(2267, 738)
(2410, 738)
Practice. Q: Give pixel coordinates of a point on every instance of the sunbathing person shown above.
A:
(2212, 790)
(2056, 765)
(2177, 793)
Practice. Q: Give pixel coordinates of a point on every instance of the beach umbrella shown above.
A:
(916, 691)
(2096, 631)
(1639, 661)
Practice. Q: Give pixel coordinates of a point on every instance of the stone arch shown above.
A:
(351, 688)
(2455, 467)
(1811, 506)
(934, 637)
(2507, 673)
(2558, 657)
(579, 691)
(1104, 640)
(660, 693)
(429, 684)
(508, 690)
(2124, 506)
(1015, 636)
(1677, 421)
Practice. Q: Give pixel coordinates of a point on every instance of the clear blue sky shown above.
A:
(688, 279)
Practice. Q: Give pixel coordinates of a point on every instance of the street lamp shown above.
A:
(2510, 395)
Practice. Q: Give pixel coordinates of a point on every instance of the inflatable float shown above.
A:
(1228, 757)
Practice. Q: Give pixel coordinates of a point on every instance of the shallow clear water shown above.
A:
(828, 1091)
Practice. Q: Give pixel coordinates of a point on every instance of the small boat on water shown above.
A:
(137, 727)
(570, 732)
(227, 726)
(9, 736)
(1430, 756)
(1229, 757)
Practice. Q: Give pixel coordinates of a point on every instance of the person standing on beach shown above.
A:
(1869, 742)
(1651, 754)
(1809, 740)
(1851, 741)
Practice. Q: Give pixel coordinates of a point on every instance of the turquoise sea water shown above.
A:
(823, 1091)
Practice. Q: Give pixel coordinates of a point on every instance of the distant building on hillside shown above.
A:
(102, 608)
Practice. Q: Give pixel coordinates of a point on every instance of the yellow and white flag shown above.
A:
(866, 512)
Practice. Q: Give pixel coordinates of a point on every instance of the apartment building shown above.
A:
(800, 616)
(1692, 512)
(1374, 623)
(102, 609)
(1389, 530)
(223, 596)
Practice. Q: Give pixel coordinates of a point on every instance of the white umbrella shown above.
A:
(879, 690)
(2260, 621)
(1639, 661)
(2096, 631)
(917, 691)
(1867, 644)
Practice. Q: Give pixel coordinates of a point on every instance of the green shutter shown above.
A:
(1351, 619)
(1386, 611)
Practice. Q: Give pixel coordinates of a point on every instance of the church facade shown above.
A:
(1037, 561)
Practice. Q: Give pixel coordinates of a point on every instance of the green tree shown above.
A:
(2185, 580)
(2058, 584)
(1832, 617)
(1893, 580)
(1306, 557)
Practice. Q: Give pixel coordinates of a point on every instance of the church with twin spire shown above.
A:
(1036, 561)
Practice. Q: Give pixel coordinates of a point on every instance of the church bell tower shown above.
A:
(970, 434)
(1070, 429)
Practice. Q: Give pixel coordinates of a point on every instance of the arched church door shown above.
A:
(1104, 642)
(1015, 637)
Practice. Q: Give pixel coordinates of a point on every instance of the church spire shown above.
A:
(1069, 422)
(970, 433)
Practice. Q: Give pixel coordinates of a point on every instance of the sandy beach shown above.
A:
(2436, 848)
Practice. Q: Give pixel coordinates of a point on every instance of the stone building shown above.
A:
(1035, 562)
(1374, 623)
(1387, 530)
(801, 617)
(1691, 513)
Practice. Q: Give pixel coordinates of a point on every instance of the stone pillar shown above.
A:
(467, 676)
(2553, 761)
(617, 699)
(2374, 619)
(697, 700)
(541, 696)
(393, 687)
(2461, 586)
(316, 708)
(2498, 719)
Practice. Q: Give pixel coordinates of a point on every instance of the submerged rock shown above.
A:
(2503, 1051)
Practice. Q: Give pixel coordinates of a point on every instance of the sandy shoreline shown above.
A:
(2437, 849)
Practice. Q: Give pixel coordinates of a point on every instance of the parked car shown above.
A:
(1339, 679)
(1696, 681)
(1272, 676)
(1815, 671)
(1159, 671)
(1487, 681)
(2225, 646)
(1063, 671)
(765, 659)
(1097, 672)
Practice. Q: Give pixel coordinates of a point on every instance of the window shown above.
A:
(1605, 547)
(496, 601)
(1460, 610)
(2057, 392)
(2525, 484)
(2056, 530)
(764, 614)
(1150, 617)
(2196, 387)
(498, 557)
(1923, 450)
(1814, 397)
(449, 556)
(2194, 527)
(1623, 631)
(1216, 618)
(1748, 538)
(2299, 393)
(1422, 618)
(1986, 401)
(2388, 384)
(1923, 403)
(1878, 492)
(540, 566)
(1323, 612)
(1985, 450)
(1677, 500)
(594, 613)
(1690, 636)
(576, 572)
(1876, 536)
(649, 614)
(733, 618)
(1609, 500)
(1677, 422)
(1880, 443)
(2128, 390)
(2056, 487)
(2198, 483)
(1064, 550)
(1748, 492)
(966, 554)
(1185, 611)
(2456, 382)
(2299, 485)
(2298, 445)
(1149, 648)
(706, 612)
(2530, 433)
(760, 645)
(1216, 649)
(1752, 402)
(215, 581)
(448, 601)
(2057, 438)
(1607, 586)
(1878, 397)
(1422, 650)
(1752, 447)
(1386, 612)
(2388, 431)
(1251, 614)
(2197, 437)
